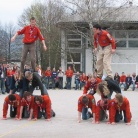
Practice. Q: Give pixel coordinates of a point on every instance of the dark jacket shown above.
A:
(129, 80)
(16, 84)
(30, 85)
(113, 87)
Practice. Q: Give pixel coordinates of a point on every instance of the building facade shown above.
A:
(77, 50)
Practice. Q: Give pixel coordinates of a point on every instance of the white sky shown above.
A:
(10, 10)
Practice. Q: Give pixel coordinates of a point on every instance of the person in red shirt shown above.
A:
(104, 46)
(13, 100)
(31, 34)
(119, 104)
(101, 110)
(69, 74)
(27, 104)
(8, 79)
(83, 79)
(123, 80)
(42, 107)
(48, 74)
(85, 102)
(91, 85)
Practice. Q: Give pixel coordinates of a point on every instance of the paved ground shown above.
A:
(64, 125)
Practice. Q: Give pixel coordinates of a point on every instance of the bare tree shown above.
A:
(47, 14)
(94, 11)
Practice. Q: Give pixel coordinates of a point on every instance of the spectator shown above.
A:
(54, 78)
(2, 78)
(77, 80)
(128, 81)
(69, 74)
(137, 81)
(48, 74)
(83, 79)
(60, 78)
(117, 78)
(26, 68)
(133, 81)
(123, 80)
(8, 79)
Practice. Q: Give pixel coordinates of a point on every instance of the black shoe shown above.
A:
(54, 114)
(3, 92)
(90, 114)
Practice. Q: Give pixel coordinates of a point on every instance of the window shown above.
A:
(73, 36)
(121, 44)
(133, 34)
(76, 57)
(133, 43)
(120, 34)
(74, 43)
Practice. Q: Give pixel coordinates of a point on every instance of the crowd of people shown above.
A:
(26, 105)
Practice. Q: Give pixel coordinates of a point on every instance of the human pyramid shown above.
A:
(26, 105)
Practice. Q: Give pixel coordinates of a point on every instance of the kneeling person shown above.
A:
(14, 101)
(85, 102)
(101, 110)
(26, 110)
(42, 107)
(119, 104)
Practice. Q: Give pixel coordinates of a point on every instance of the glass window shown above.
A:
(121, 44)
(76, 57)
(73, 36)
(74, 44)
(133, 34)
(120, 34)
(133, 43)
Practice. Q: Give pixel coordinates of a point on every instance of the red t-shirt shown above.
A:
(104, 39)
(31, 34)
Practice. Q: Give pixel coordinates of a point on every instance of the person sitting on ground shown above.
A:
(117, 78)
(31, 81)
(42, 107)
(133, 81)
(14, 101)
(27, 103)
(119, 103)
(91, 85)
(85, 102)
(128, 82)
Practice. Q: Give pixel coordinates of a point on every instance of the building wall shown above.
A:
(125, 58)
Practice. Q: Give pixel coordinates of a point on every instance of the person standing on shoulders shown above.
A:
(104, 46)
(31, 34)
